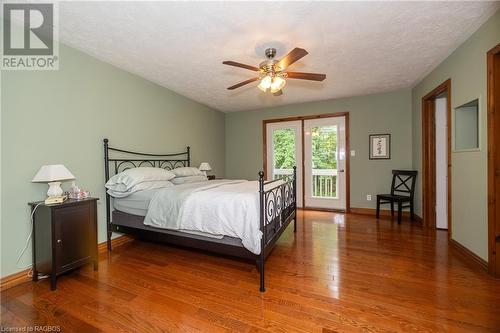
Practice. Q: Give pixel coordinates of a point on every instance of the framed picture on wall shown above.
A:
(380, 146)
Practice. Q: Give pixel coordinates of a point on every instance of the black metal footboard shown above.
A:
(278, 207)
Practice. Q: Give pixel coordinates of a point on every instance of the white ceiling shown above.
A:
(362, 47)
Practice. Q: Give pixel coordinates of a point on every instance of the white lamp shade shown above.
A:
(52, 173)
(205, 167)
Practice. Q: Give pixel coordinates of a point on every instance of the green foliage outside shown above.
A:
(324, 145)
(284, 148)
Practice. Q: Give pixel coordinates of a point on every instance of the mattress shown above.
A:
(134, 221)
(137, 203)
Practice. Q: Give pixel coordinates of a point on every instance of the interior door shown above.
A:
(284, 150)
(324, 163)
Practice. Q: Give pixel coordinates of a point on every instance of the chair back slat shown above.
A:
(403, 182)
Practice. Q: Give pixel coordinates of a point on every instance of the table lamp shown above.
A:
(53, 175)
(204, 167)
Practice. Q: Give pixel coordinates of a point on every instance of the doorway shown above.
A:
(317, 145)
(493, 72)
(441, 162)
(436, 157)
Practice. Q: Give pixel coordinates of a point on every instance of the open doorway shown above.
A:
(441, 161)
(494, 161)
(436, 157)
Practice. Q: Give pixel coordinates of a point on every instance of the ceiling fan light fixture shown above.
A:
(273, 73)
(265, 83)
(277, 84)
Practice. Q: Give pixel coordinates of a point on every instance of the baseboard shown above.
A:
(15, 279)
(115, 242)
(18, 278)
(365, 211)
(319, 209)
(383, 212)
(471, 257)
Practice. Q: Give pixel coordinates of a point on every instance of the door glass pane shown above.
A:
(324, 162)
(284, 153)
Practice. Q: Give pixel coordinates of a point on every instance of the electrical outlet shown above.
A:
(353, 153)
(369, 197)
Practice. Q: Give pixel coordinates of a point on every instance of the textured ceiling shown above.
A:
(363, 47)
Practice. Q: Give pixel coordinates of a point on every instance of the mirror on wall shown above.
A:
(466, 121)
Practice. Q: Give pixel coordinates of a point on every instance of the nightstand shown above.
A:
(64, 237)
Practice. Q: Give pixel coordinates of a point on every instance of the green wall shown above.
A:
(371, 114)
(51, 117)
(466, 67)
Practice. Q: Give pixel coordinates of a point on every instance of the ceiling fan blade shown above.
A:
(294, 55)
(243, 83)
(306, 76)
(238, 64)
(278, 93)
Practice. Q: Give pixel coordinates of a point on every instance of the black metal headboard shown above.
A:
(138, 159)
(165, 161)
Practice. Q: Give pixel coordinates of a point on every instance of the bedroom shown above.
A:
(155, 86)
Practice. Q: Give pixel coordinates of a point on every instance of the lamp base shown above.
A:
(55, 189)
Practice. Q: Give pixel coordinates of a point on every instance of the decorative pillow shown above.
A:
(186, 172)
(147, 185)
(127, 179)
(189, 179)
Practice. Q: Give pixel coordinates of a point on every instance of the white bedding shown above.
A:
(218, 207)
(136, 203)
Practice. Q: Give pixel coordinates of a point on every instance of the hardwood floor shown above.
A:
(338, 273)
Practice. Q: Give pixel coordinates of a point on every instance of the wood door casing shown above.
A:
(429, 155)
(317, 116)
(493, 74)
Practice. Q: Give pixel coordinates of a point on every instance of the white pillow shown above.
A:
(131, 177)
(186, 172)
(147, 185)
(189, 179)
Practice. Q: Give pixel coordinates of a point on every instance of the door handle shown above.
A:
(497, 238)
(341, 170)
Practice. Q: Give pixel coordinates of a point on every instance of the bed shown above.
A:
(275, 208)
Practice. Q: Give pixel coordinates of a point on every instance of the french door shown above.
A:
(324, 163)
(317, 148)
(284, 151)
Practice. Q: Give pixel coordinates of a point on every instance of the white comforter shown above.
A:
(218, 207)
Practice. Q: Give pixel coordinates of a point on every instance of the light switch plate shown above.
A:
(353, 153)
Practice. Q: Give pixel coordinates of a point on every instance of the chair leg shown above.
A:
(412, 212)
(378, 207)
(392, 208)
(400, 211)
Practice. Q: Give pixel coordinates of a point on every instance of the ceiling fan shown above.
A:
(272, 73)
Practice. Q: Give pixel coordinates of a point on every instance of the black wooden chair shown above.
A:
(402, 191)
